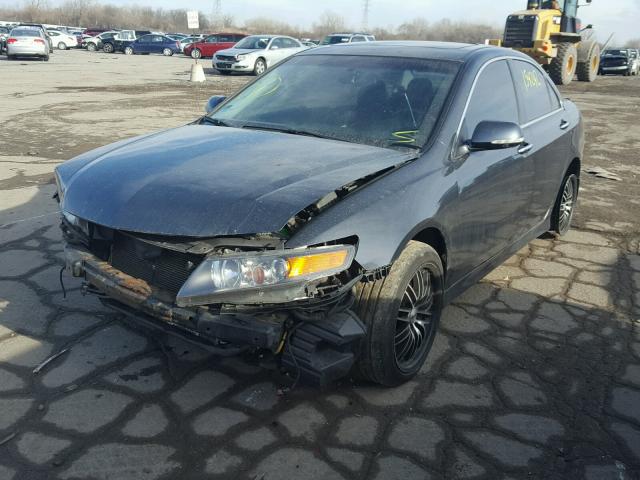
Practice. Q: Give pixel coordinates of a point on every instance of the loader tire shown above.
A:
(563, 67)
(588, 71)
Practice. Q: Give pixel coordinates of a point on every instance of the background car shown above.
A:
(153, 43)
(4, 33)
(212, 44)
(634, 55)
(184, 42)
(121, 40)
(256, 53)
(618, 61)
(43, 29)
(93, 44)
(337, 38)
(63, 40)
(27, 42)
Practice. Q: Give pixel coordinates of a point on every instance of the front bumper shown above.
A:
(622, 68)
(320, 351)
(237, 66)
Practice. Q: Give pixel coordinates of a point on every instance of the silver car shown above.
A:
(27, 42)
(256, 53)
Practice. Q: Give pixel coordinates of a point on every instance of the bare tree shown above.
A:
(329, 22)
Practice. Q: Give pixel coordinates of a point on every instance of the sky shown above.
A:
(607, 16)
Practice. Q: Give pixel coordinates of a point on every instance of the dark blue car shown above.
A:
(153, 43)
(329, 210)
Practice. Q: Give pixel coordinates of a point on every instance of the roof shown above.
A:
(410, 49)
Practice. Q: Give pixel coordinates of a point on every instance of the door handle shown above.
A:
(564, 125)
(525, 148)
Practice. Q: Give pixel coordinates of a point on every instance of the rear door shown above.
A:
(157, 44)
(143, 44)
(494, 186)
(545, 128)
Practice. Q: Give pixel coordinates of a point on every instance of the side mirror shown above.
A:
(214, 102)
(495, 136)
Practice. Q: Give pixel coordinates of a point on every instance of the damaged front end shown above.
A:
(229, 294)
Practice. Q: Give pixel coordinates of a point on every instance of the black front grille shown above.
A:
(157, 266)
(614, 62)
(225, 58)
(519, 31)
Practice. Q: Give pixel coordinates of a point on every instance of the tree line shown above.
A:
(90, 13)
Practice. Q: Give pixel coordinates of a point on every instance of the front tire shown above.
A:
(563, 67)
(588, 70)
(196, 54)
(167, 52)
(565, 205)
(260, 67)
(401, 313)
(108, 48)
(91, 47)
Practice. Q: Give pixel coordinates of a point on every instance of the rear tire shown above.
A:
(564, 207)
(128, 51)
(91, 47)
(563, 67)
(45, 58)
(108, 48)
(401, 313)
(588, 71)
(62, 46)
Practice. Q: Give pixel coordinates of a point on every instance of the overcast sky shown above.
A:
(608, 16)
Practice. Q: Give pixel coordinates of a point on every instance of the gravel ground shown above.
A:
(535, 374)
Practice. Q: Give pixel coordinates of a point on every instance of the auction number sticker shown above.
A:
(531, 79)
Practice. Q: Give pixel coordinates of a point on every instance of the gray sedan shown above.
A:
(27, 42)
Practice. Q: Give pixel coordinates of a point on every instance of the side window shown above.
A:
(493, 99)
(536, 95)
(289, 43)
(213, 39)
(144, 39)
(357, 38)
(225, 38)
(237, 38)
(277, 43)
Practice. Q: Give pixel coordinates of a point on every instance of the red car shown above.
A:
(211, 44)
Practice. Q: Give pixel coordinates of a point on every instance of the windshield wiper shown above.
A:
(291, 131)
(213, 121)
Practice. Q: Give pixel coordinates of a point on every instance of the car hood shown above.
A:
(238, 51)
(204, 181)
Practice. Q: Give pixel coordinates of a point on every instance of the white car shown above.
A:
(256, 53)
(27, 42)
(93, 44)
(63, 40)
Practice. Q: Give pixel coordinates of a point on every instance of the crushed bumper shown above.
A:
(319, 352)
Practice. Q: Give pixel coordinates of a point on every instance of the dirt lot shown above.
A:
(536, 372)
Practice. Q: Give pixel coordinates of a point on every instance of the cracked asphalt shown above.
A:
(535, 372)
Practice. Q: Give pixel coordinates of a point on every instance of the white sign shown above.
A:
(192, 19)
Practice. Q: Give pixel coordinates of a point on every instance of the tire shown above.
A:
(108, 48)
(561, 216)
(45, 58)
(196, 54)
(11, 57)
(384, 307)
(167, 52)
(563, 67)
(62, 46)
(588, 71)
(91, 47)
(260, 67)
(128, 51)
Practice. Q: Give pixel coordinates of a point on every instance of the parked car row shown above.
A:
(620, 61)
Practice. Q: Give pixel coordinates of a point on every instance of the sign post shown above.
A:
(193, 23)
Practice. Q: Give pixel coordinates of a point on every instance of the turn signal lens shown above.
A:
(310, 264)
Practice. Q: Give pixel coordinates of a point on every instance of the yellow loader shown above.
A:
(550, 32)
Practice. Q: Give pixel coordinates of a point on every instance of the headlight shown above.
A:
(262, 277)
(60, 186)
(242, 56)
(76, 222)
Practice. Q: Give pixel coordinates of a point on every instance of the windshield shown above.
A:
(333, 39)
(381, 101)
(617, 53)
(253, 43)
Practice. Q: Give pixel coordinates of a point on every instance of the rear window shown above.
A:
(334, 39)
(26, 33)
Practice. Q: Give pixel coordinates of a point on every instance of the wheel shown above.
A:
(563, 67)
(45, 58)
(11, 57)
(565, 205)
(108, 48)
(588, 71)
(260, 67)
(401, 313)
(62, 46)
(91, 47)
(128, 51)
(627, 73)
(195, 53)
(167, 52)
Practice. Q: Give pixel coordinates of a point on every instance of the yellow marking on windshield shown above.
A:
(406, 136)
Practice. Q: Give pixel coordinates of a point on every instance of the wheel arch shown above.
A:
(430, 233)
(575, 167)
